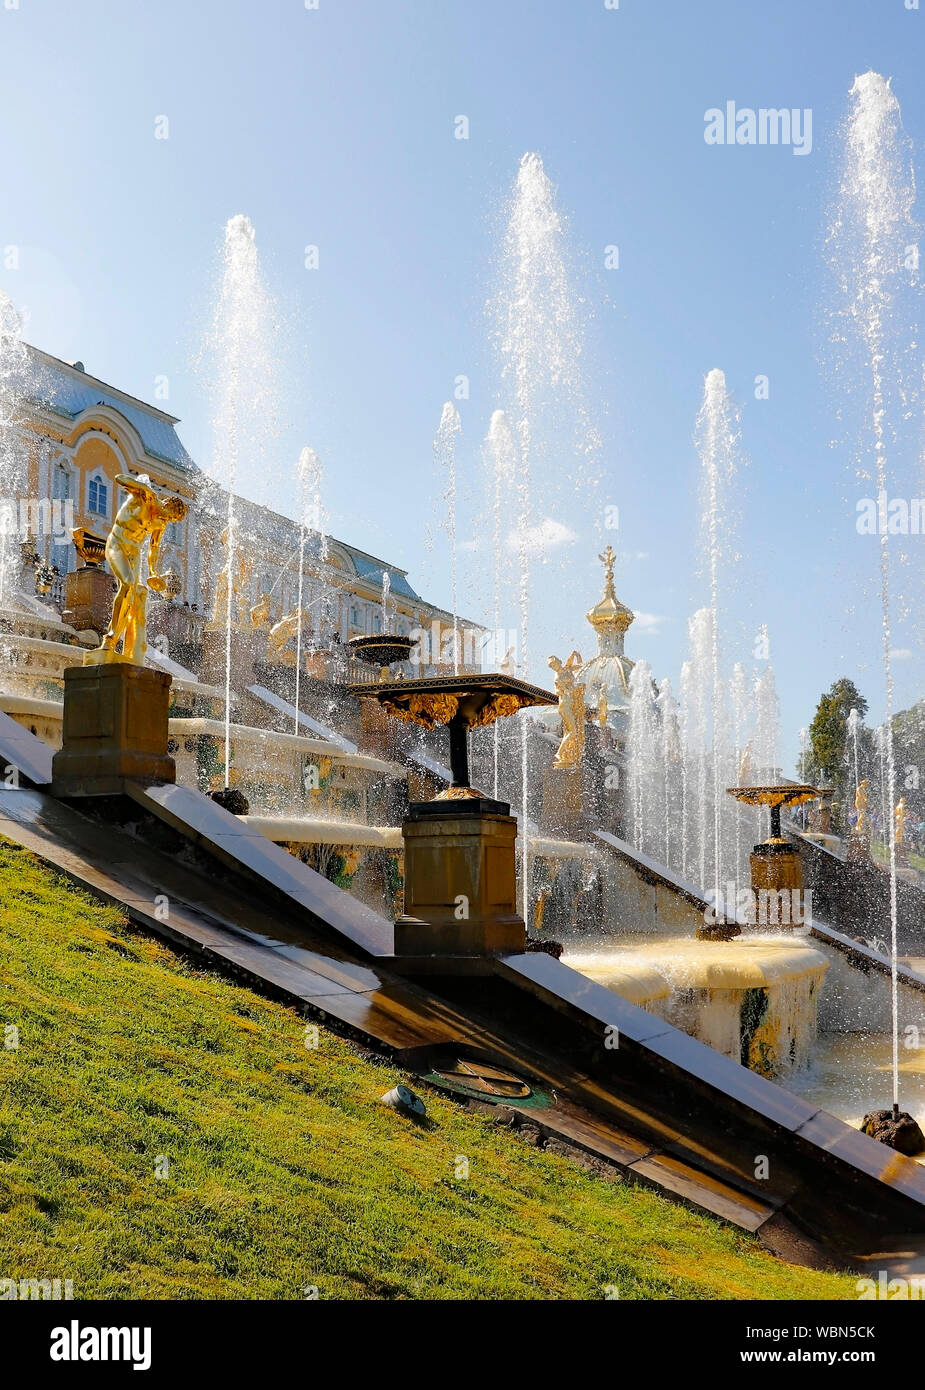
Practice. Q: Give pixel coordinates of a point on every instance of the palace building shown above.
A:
(80, 433)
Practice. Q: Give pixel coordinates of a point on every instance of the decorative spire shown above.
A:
(610, 618)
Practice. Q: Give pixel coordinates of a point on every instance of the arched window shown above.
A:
(98, 494)
(60, 483)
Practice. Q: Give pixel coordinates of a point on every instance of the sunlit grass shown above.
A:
(283, 1170)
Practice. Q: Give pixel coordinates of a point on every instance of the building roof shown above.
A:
(66, 389)
(367, 567)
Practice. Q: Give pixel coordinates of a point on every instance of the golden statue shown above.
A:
(262, 611)
(143, 516)
(860, 805)
(899, 822)
(240, 583)
(745, 766)
(571, 710)
(281, 633)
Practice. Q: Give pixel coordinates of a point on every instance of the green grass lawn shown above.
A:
(284, 1172)
(881, 853)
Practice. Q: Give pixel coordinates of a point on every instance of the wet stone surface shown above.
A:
(900, 1132)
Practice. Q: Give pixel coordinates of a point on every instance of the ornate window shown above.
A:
(98, 494)
(60, 483)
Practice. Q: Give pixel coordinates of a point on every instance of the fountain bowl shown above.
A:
(462, 703)
(382, 649)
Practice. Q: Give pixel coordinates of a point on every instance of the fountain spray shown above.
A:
(853, 744)
(869, 236)
(539, 341)
(239, 336)
(717, 440)
(386, 591)
(445, 460)
(309, 471)
(12, 453)
(501, 456)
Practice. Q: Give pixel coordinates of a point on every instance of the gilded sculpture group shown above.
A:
(573, 694)
(900, 814)
(144, 517)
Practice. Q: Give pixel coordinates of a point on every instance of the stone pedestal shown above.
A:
(88, 599)
(460, 880)
(115, 730)
(562, 805)
(776, 867)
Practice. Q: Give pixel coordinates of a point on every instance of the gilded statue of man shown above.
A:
(143, 516)
(899, 822)
(860, 805)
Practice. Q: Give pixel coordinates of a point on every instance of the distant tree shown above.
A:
(828, 755)
(909, 757)
(828, 733)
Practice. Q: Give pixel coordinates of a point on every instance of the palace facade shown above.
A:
(80, 433)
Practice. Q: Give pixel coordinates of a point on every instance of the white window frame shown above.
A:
(100, 478)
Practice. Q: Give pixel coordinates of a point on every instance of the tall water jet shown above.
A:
(696, 731)
(13, 458)
(717, 439)
(851, 747)
(644, 760)
(243, 388)
(870, 235)
(500, 453)
(445, 460)
(670, 745)
(767, 724)
(386, 601)
(310, 524)
(766, 737)
(739, 702)
(539, 338)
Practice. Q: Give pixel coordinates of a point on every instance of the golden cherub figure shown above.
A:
(143, 516)
(746, 771)
(899, 822)
(860, 805)
(242, 567)
(571, 710)
(262, 612)
(278, 653)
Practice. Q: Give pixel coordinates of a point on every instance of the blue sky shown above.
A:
(335, 127)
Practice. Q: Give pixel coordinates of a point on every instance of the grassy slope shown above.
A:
(285, 1171)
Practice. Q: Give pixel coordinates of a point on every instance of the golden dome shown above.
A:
(610, 615)
(608, 672)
